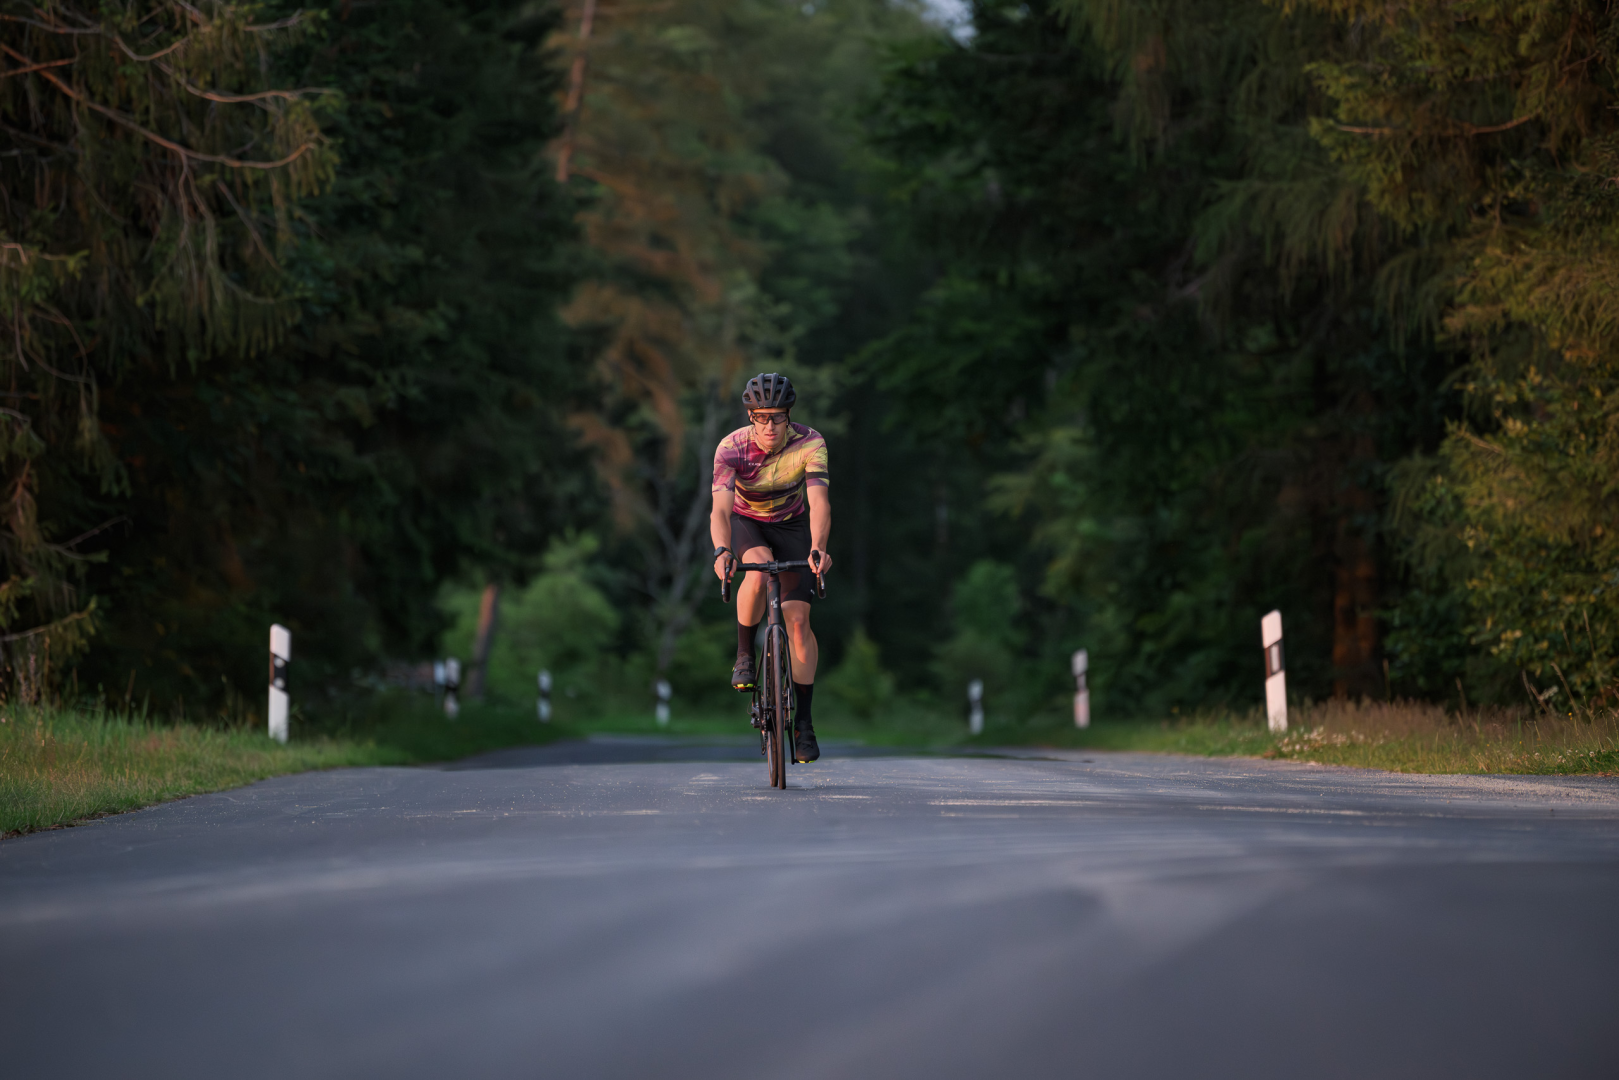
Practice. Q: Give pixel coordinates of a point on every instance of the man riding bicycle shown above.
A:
(771, 503)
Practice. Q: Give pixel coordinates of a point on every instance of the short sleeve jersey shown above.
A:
(773, 486)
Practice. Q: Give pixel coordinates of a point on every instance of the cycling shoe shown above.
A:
(742, 675)
(805, 748)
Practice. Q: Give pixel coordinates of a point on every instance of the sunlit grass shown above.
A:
(60, 765)
(1401, 736)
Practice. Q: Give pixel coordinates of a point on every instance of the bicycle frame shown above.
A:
(773, 701)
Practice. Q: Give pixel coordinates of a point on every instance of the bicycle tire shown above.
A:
(786, 752)
(782, 700)
(765, 687)
(773, 757)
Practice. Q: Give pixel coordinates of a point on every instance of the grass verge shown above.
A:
(60, 765)
(1399, 736)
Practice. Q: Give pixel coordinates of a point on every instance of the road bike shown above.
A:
(773, 703)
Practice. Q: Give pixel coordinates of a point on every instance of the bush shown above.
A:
(860, 683)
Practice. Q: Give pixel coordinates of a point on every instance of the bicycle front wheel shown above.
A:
(781, 698)
(773, 755)
(765, 688)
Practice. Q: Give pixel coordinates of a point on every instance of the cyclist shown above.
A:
(771, 502)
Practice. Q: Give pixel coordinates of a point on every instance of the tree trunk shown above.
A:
(1354, 622)
(484, 643)
(1355, 586)
(575, 102)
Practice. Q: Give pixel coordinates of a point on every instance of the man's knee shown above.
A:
(796, 614)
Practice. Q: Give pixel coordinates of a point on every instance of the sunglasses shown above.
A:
(767, 419)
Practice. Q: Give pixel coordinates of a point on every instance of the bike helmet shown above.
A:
(769, 392)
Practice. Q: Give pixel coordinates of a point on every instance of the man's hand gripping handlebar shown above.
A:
(732, 566)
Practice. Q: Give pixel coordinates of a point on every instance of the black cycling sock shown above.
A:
(745, 636)
(803, 692)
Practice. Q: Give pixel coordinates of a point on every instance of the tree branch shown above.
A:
(75, 617)
(36, 67)
(211, 95)
(51, 27)
(146, 59)
(282, 24)
(184, 151)
(251, 228)
(1467, 129)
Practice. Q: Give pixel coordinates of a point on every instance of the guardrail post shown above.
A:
(975, 707)
(1270, 633)
(665, 692)
(280, 657)
(1082, 690)
(544, 704)
(452, 684)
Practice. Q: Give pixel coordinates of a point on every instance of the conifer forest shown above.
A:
(1126, 321)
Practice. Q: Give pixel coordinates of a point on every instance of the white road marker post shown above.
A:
(1082, 690)
(544, 704)
(280, 657)
(665, 692)
(975, 707)
(452, 683)
(1270, 632)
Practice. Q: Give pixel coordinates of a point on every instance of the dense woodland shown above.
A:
(1126, 322)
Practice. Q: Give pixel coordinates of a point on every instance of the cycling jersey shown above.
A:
(770, 487)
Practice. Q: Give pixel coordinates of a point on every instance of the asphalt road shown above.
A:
(636, 909)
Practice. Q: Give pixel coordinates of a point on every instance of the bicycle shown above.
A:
(773, 704)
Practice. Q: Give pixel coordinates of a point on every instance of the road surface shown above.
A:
(632, 908)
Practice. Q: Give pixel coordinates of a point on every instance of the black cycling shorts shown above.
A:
(788, 541)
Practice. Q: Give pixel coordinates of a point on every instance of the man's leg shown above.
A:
(806, 657)
(750, 608)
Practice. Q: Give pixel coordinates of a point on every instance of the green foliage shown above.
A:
(700, 669)
(157, 164)
(315, 391)
(860, 683)
(724, 214)
(985, 604)
(561, 621)
(1214, 307)
(1156, 317)
(1489, 131)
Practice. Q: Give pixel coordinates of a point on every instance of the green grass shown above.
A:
(60, 765)
(1398, 736)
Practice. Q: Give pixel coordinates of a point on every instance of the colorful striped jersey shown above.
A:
(770, 487)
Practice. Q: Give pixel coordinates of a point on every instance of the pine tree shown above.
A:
(1486, 134)
(148, 208)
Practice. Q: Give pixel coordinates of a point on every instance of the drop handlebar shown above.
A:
(768, 568)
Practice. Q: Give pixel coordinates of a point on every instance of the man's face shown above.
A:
(769, 428)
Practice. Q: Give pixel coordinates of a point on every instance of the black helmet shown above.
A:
(769, 392)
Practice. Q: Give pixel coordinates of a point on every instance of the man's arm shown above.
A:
(719, 526)
(820, 510)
